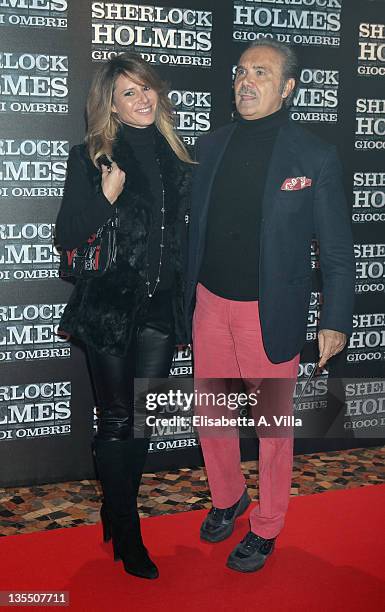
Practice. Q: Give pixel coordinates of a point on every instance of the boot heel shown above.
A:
(115, 548)
(107, 532)
(107, 535)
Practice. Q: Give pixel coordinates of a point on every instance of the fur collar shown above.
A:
(175, 175)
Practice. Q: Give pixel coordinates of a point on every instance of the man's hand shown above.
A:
(330, 343)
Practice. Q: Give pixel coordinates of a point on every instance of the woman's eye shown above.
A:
(146, 88)
(129, 93)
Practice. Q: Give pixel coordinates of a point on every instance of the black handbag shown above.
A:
(98, 253)
(94, 257)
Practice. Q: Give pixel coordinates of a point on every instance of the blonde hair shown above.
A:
(103, 124)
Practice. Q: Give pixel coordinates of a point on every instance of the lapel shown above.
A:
(284, 163)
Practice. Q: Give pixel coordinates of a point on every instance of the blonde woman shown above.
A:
(130, 318)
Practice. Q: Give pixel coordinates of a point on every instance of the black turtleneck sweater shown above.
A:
(142, 142)
(231, 259)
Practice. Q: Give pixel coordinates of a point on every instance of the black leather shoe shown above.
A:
(219, 523)
(251, 553)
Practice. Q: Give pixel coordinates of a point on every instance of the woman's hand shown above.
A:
(113, 179)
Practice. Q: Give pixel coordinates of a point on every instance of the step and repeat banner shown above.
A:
(48, 52)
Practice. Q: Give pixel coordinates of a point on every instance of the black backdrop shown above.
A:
(49, 50)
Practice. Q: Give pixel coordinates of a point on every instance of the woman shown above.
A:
(131, 317)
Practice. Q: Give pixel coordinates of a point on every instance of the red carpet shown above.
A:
(330, 557)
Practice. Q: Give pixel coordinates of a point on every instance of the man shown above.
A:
(264, 186)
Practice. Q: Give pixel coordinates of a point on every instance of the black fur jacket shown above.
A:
(102, 311)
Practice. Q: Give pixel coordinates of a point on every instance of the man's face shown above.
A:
(258, 83)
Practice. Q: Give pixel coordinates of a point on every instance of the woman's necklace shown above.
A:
(150, 292)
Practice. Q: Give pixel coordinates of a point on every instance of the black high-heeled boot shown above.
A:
(116, 467)
(138, 452)
(134, 556)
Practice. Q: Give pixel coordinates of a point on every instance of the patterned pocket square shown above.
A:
(296, 183)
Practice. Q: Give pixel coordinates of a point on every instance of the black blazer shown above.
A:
(290, 219)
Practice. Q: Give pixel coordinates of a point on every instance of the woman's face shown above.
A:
(134, 102)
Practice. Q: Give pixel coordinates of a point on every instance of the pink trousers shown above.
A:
(227, 343)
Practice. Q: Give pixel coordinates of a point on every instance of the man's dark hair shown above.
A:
(290, 65)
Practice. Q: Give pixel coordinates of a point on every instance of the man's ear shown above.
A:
(289, 86)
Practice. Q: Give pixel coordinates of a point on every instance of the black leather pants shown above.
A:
(150, 356)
